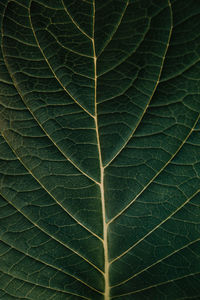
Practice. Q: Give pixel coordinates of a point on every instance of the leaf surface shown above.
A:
(99, 150)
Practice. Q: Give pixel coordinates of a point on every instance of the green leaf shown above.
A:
(99, 149)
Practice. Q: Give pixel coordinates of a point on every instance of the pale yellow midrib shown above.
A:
(105, 225)
(101, 185)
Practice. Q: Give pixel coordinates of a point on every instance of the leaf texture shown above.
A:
(99, 149)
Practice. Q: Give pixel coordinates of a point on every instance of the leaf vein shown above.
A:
(148, 103)
(44, 188)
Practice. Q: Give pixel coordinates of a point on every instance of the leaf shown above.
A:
(99, 150)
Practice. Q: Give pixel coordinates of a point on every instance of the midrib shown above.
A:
(101, 185)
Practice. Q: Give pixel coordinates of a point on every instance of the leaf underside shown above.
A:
(100, 149)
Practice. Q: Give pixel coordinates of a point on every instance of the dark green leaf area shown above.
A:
(129, 87)
(108, 18)
(81, 13)
(177, 178)
(51, 169)
(55, 28)
(42, 247)
(59, 25)
(167, 124)
(37, 228)
(166, 271)
(167, 239)
(22, 267)
(186, 287)
(152, 148)
(26, 290)
(57, 114)
(99, 150)
(54, 173)
(184, 47)
(122, 43)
